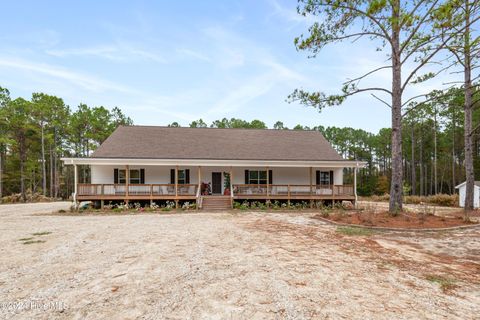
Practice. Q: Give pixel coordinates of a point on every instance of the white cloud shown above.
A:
(82, 80)
(121, 52)
(289, 14)
(193, 54)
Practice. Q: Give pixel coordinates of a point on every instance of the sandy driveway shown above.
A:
(224, 266)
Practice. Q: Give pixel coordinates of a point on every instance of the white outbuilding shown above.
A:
(462, 189)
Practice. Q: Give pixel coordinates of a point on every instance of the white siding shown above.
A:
(476, 197)
(161, 174)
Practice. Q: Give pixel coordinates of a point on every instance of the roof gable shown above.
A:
(151, 142)
(476, 185)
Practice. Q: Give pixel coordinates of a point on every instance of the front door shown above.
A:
(216, 183)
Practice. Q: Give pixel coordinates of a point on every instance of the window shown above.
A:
(257, 177)
(324, 178)
(182, 177)
(134, 176)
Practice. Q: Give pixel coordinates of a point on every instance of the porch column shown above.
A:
(199, 180)
(311, 180)
(199, 191)
(311, 193)
(176, 187)
(127, 182)
(75, 185)
(176, 181)
(355, 185)
(231, 187)
(268, 180)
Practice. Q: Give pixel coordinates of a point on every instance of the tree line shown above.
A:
(36, 133)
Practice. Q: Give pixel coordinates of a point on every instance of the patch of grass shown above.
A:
(33, 241)
(25, 239)
(43, 233)
(446, 284)
(354, 231)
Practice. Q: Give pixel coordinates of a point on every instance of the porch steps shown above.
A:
(216, 203)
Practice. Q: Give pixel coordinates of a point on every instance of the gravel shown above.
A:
(249, 265)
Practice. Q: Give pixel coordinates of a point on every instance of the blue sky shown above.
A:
(164, 61)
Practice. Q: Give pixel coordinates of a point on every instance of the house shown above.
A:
(462, 189)
(151, 163)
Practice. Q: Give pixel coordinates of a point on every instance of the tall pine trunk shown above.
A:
(23, 159)
(44, 169)
(422, 185)
(396, 187)
(469, 172)
(452, 190)
(1, 172)
(414, 175)
(51, 172)
(435, 171)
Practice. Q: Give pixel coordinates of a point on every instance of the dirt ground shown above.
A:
(228, 266)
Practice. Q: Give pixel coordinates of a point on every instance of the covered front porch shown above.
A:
(153, 180)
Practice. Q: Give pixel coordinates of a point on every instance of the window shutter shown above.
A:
(142, 176)
(187, 176)
(247, 177)
(115, 176)
(331, 177)
(172, 176)
(270, 177)
(317, 177)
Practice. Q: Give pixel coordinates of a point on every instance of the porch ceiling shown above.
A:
(213, 163)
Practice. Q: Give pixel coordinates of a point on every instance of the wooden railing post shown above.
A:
(288, 192)
(102, 189)
(176, 181)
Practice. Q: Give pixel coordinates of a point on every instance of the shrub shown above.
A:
(169, 205)
(261, 205)
(245, 205)
(446, 200)
(154, 206)
(276, 205)
(325, 213)
(188, 206)
(122, 206)
(320, 205)
(236, 205)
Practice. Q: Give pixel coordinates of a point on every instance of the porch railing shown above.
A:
(243, 190)
(292, 190)
(136, 189)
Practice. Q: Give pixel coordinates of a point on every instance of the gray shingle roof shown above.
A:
(150, 142)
